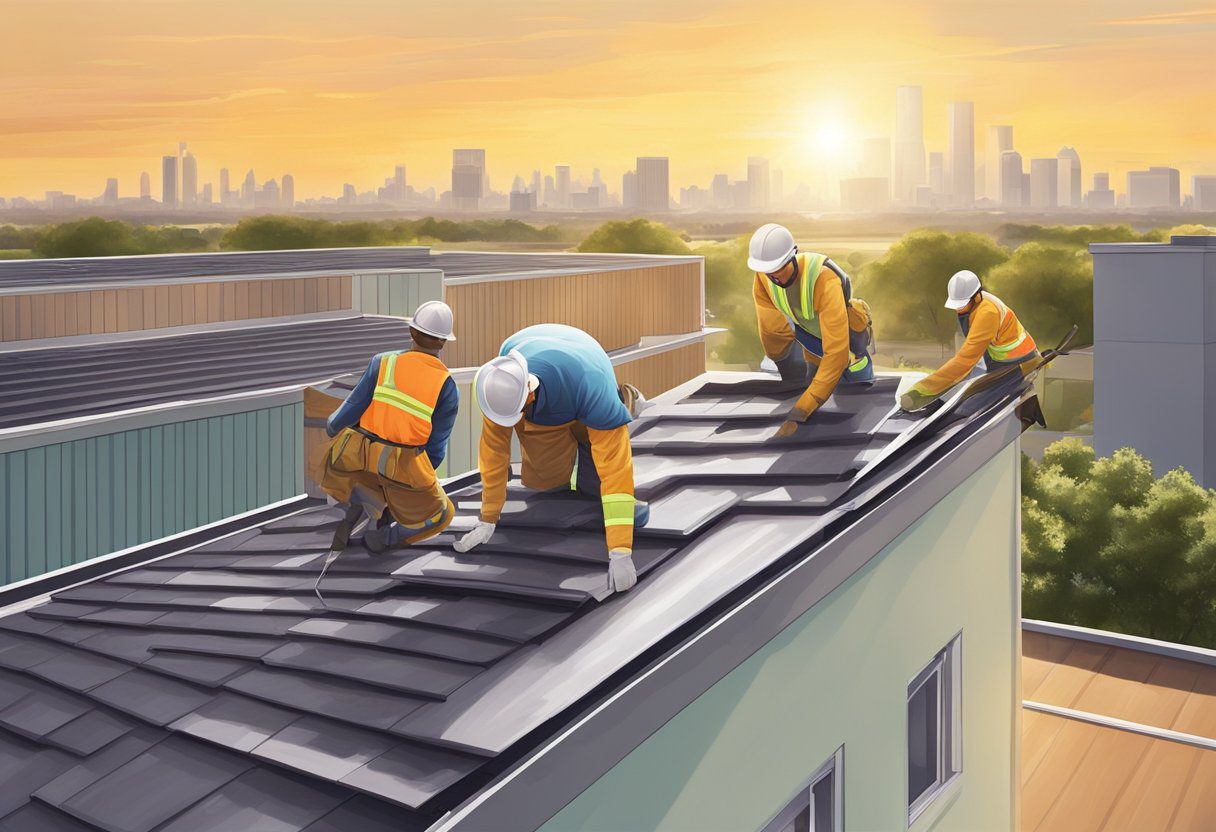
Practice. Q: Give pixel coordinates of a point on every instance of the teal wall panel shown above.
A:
(63, 503)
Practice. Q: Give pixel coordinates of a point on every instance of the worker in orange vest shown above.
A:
(993, 333)
(390, 435)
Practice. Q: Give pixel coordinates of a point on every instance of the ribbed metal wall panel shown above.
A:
(397, 294)
(68, 502)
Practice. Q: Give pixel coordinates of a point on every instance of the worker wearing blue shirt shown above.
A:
(390, 434)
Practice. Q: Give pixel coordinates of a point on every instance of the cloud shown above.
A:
(346, 96)
(214, 99)
(1166, 19)
(116, 62)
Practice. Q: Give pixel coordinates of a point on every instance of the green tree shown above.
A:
(93, 237)
(271, 233)
(1050, 287)
(906, 287)
(1106, 545)
(1015, 234)
(638, 236)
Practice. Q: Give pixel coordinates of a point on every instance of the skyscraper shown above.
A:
(909, 156)
(535, 186)
(288, 193)
(561, 178)
(249, 189)
(1157, 187)
(962, 153)
(110, 195)
(206, 198)
(168, 181)
(1101, 197)
(758, 182)
(654, 192)
(1044, 183)
(225, 191)
(720, 190)
(349, 195)
(629, 190)
(145, 186)
(189, 180)
(398, 185)
(468, 178)
(1069, 186)
(1011, 179)
(1203, 190)
(1000, 141)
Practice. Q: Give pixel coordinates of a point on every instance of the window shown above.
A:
(935, 748)
(818, 806)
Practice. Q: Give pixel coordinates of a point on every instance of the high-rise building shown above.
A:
(962, 153)
(110, 195)
(654, 192)
(937, 174)
(249, 188)
(549, 195)
(145, 186)
(777, 195)
(1000, 140)
(207, 198)
(908, 159)
(349, 194)
(758, 182)
(740, 199)
(189, 180)
(629, 190)
(719, 190)
(1101, 197)
(398, 185)
(1044, 183)
(269, 196)
(1011, 179)
(1203, 190)
(561, 179)
(168, 181)
(1069, 186)
(288, 195)
(225, 191)
(522, 202)
(535, 186)
(1157, 187)
(468, 178)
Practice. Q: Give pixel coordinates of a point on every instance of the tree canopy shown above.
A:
(1050, 288)
(638, 236)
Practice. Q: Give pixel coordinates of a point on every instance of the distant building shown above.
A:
(145, 186)
(110, 195)
(654, 191)
(908, 159)
(207, 197)
(962, 154)
(289, 189)
(719, 190)
(59, 201)
(225, 190)
(398, 185)
(629, 190)
(1157, 187)
(1068, 183)
(468, 178)
(522, 202)
(1101, 197)
(922, 196)
(1203, 189)
(268, 196)
(1011, 179)
(740, 195)
(349, 194)
(1000, 141)
(876, 157)
(561, 180)
(189, 180)
(758, 182)
(249, 188)
(937, 174)
(168, 181)
(1044, 183)
(694, 198)
(867, 194)
(549, 194)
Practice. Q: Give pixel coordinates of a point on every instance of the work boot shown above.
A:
(345, 526)
(376, 537)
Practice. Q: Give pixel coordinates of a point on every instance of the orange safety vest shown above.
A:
(407, 390)
(1012, 343)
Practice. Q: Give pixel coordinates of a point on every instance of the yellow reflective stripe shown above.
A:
(999, 352)
(618, 509)
(391, 358)
(779, 298)
(859, 364)
(814, 263)
(395, 398)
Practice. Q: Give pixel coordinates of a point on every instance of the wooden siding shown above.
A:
(1078, 776)
(94, 312)
(659, 373)
(617, 308)
(64, 503)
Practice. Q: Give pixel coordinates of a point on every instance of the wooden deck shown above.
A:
(1079, 776)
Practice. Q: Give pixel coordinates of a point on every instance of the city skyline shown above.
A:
(308, 89)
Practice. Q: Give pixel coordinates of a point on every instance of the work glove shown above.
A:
(795, 418)
(792, 367)
(621, 574)
(480, 534)
(914, 399)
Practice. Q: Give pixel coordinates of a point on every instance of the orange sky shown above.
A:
(341, 91)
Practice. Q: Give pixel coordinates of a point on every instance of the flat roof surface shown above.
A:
(58, 383)
(1081, 775)
(212, 688)
(102, 270)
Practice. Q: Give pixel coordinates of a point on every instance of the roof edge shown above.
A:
(1186, 652)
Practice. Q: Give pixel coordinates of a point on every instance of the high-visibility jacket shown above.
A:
(404, 400)
(817, 302)
(994, 334)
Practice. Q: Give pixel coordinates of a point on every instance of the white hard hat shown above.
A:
(501, 386)
(434, 318)
(771, 248)
(962, 289)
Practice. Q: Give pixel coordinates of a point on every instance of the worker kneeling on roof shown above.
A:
(805, 300)
(554, 386)
(992, 331)
(391, 434)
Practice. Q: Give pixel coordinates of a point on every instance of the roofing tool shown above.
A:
(341, 538)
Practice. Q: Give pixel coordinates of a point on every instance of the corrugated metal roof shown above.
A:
(102, 270)
(50, 384)
(213, 684)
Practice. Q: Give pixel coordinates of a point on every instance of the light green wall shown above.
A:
(839, 675)
(397, 293)
(64, 503)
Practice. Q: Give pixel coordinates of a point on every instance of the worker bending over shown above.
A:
(554, 386)
(806, 298)
(391, 434)
(992, 331)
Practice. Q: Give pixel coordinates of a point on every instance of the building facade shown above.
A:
(962, 153)
(653, 188)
